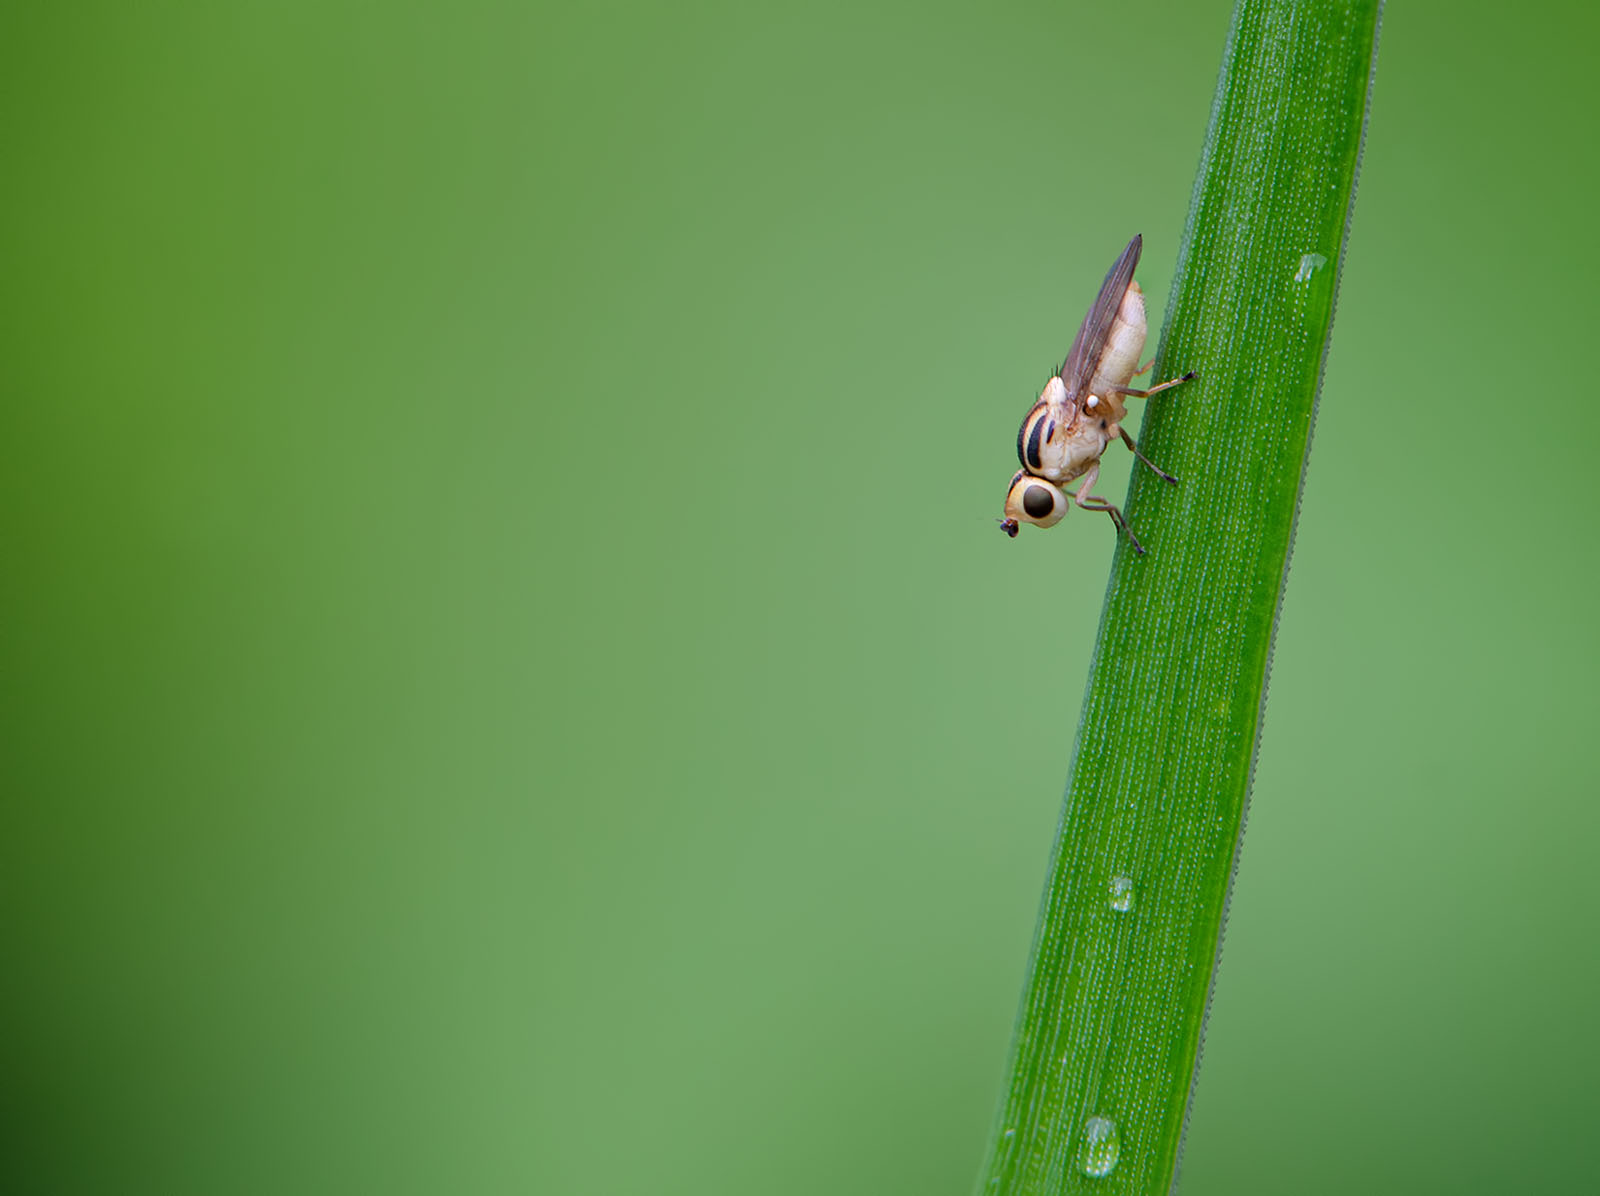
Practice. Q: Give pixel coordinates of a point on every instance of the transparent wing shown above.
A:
(1090, 343)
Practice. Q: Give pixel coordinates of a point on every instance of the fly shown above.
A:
(1081, 408)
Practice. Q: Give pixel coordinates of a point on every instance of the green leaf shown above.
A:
(1108, 1039)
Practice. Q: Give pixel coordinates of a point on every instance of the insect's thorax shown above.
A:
(1060, 449)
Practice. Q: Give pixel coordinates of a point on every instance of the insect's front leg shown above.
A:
(1093, 502)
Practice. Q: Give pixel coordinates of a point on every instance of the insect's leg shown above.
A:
(1145, 368)
(1093, 502)
(1134, 449)
(1155, 390)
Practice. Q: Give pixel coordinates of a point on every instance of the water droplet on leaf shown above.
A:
(1101, 1147)
(1310, 263)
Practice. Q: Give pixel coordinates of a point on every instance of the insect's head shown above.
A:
(1032, 500)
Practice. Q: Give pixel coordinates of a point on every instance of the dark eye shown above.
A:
(1038, 502)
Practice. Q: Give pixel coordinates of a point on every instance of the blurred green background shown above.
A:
(512, 680)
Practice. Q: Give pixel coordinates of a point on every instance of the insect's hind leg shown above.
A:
(1158, 388)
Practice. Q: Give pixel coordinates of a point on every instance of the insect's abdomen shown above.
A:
(1124, 344)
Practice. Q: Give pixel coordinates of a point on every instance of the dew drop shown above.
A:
(1101, 1147)
(1119, 890)
(1310, 263)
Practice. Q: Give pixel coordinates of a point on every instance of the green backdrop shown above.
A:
(512, 682)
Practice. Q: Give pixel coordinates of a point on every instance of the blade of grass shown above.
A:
(1108, 1039)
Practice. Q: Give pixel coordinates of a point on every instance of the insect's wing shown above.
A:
(1090, 343)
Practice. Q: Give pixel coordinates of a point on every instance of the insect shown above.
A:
(1081, 409)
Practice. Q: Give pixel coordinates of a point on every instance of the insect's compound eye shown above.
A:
(1038, 502)
(1033, 500)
